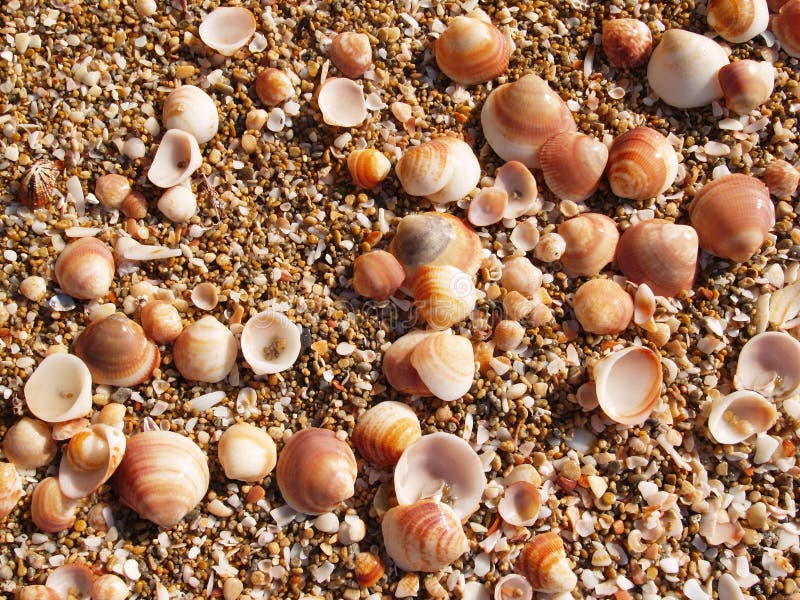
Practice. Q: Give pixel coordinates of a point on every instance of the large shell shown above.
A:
(368, 167)
(737, 416)
(572, 164)
(28, 444)
(786, 27)
(628, 384)
(191, 109)
(10, 488)
(270, 342)
(205, 350)
(226, 29)
(117, 351)
(543, 562)
(51, 510)
(85, 268)
(746, 84)
(627, 42)
(161, 321)
(60, 389)
(316, 471)
(351, 53)
(472, 51)
(445, 364)
(641, 164)
(520, 504)
(90, 459)
(591, 241)
(342, 102)
(601, 306)
(162, 477)
(661, 254)
(443, 295)
(38, 184)
(397, 367)
(769, 363)
(246, 452)
(425, 536)
(738, 20)
(732, 216)
(383, 432)
(517, 118)
(377, 275)
(177, 157)
(521, 275)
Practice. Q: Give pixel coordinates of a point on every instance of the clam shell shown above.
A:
(513, 587)
(368, 167)
(627, 42)
(383, 432)
(316, 471)
(60, 389)
(779, 176)
(738, 20)
(445, 364)
(466, 173)
(109, 587)
(205, 351)
(601, 306)
(111, 189)
(71, 581)
(52, 511)
(520, 185)
(177, 157)
(732, 216)
(178, 204)
(737, 416)
(641, 164)
(397, 364)
(508, 335)
(273, 86)
(38, 184)
(543, 562)
(377, 275)
(10, 488)
(487, 207)
(162, 477)
(520, 504)
(205, 295)
(161, 321)
(342, 102)
(427, 168)
(246, 452)
(351, 53)
(525, 235)
(85, 269)
(591, 241)
(443, 295)
(38, 592)
(270, 342)
(521, 275)
(91, 458)
(368, 569)
(28, 444)
(572, 164)
(226, 29)
(628, 384)
(769, 363)
(746, 84)
(786, 27)
(472, 51)
(191, 109)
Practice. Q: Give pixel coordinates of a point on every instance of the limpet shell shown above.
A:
(383, 432)
(737, 416)
(60, 389)
(270, 342)
(472, 51)
(205, 350)
(641, 164)
(628, 384)
(191, 109)
(226, 29)
(445, 364)
(351, 53)
(91, 457)
(572, 164)
(85, 268)
(38, 184)
(28, 444)
(543, 562)
(769, 363)
(246, 452)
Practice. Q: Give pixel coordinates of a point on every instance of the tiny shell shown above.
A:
(508, 335)
(52, 511)
(368, 569)
(34, 288)
(397, 367)
(443, 295)
(543, 562)
(38, 184)
(368, 167)
(525, 235)
(161, 321)
(628, 384)
(445, 364)
(205, 351)
(226, 29)
(517, 306)
(572, 164)
(377, 275)
(111, 189)
(68, 429)
(472, 51)
(205, 295)
(521, 275)
(520, 185)
(71, 581)
(738, 20)
(641, 164)
(513, 587)
(383, 432)
(191, 109)
(270, 342)
(109, 587)
(644, 307)
(351, 53)
(10, 488)
(246, 452)
(786, 27)
(591, 241)
(273, 86)
(487, 207)
(90, 459)
(550, 248)
(769, 363)
(28, 444)
(342, 102)
(134, 205)
(178, 204)
(85, 269)
(746, 84)
(627, 42)
(737, 416)
(520, 504)
(177, 157)
(601, 306)
(112, 414)
(60, 389)
(779, 176)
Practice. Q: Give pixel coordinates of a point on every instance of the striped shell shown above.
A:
(572, 165)
(397, 368)
(377, 275)
(627, 42)
(543, 562)
(591, 241)
(351, 53)
(445, 364)
(443, 170)
(601, 306)
(161, 321)
(383, 432)
(90, 459)
(38, 184)
(368, 569)
(10, 488)
(746, 84)
(51, 510)
(85, 269)
(443, 295)
(641, 164)
(786, 27)
(738, 20)
(368, 167)
(472, 51)
(205, 350)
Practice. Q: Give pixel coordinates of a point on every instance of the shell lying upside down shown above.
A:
(737, 416)
(769, 363)
(628, 384)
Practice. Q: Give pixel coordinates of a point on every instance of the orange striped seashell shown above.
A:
(90, 459)
(641, 164)
(591, 240)
(368, 569)
(786, 27)
(38, 592)
(10, 488)
(627, 42)
(85, 269)
(377, 275)
(543, 562)
(738, 20)
(52, 511)
(602, 306)
(397, 367)
(572, 164)
(746, 84)
(368, 167)
(444, 295)
(445, 364)
(472, 51)
(383, 432)
(351, 53)
(425, 169)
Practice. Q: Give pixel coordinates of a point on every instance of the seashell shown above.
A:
(425, 536)
(177, 157)
(517, 306)
(205, 351)
(246, 452)
(178, 204)
(737, 416)
(109, 587)
(28, 444)
(71, 581)
(732, 216)
(786, 27)
(91, 458)
(628, 384)
(443, 170)
(270, 342)
(273, 86)
(161, 321)
(443, 295)
(591, 241)
(10, 488)
(205, 296)
(572, 164)
(38, 184)
(472, 51)
(520, 504)
(117, 351)
(487, 207)
(342, 102)
(525, 235)
(34, 288)
(112, 414)
(226, 29)
(60, 389)
(738, 20)
(550, 247)
(52, 511)
(111, 189)
(521, 275)
(601, 306)
(484, 353)
(368, 167)
(38, 592)
(523, 472)
(192, 110)
(66, 430)
(520, 185)
(661, 254)
(768, 364)
(779, 176)
(351, 53)
(746, 84)
(377, 275)
(543, 562)
(641, 164)
(445, 364)
(134, 205)
(683, 69)
(508, 335)
(397, 364)
(627, 42)
(644, 307)
(85, 269)
(368, 569)
(316, 471)
(466, 173)
(162, 477)
(784, 305)
(513, 587)
(383, 432)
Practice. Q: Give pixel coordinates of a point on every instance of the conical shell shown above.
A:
(28, 444)
(109, 587)
(641, 164)
(513, 587)
(10, 488)
(446, 365)
(162, 477)
(738, 20)
(443, 295)
(383, 432)
(472, 51)
(377, 275)
(487, 207)
(520, 504)
(466, 173)
(732, 216)
(572, 165)
(270, 342)
(112, 189)
(90, 459)
(351, 53)
(769, 363)
(737, 416)
(85, 269)
(177, 157)
(161, 321)
(246, 452)
(780, 177)
(38, 592)
(191, 109)
(601, 306)
(397, 367)
(746, 84)
(368, 167)
(627, 42)
(517, 118)
(273, 86)
(543, 562)
(38, 184)
(205, 351)
(342, 102)
(71, 581)
(520, 185)
(591, 241)
(786, 27)
(60, 389)
(628, 384)
(226, 29)
(52, 511)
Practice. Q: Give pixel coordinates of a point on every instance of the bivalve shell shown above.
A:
(205, 351)
(737, 416)
(445, 364)
(601, 306)
(368, 167)
(779, 176)
(627, 42)
(628, 384)
(71, 581)
(351, 53)
(177, 157)
(205, 295)
(383, 432)
(738, 20)
(543, 562)
(51, 510)
(443, 170)
(572, 165)
(28, 444)
(109, 587)
(38, 592)
(513, 587)
(342, 102)
(10, 488)
(487, 207)
(786, 27)
(191, 109)
(85, 268)
(466, 173)
(273, 86)
(641, 164)
(377, 275)
(226, 29)
(90, 459)
(472, 51)
(769, 363)
(161, 321)
(521, 187)
(111, 189)
(520, 504)
(591, 242)
(270, 342)
(746, 84)
(246, 452)
(397, 367)
(60, 389)
(443, 295)
(178, 204)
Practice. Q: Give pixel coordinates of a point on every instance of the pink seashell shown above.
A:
(627, 42)
(786, 27)
(351, 53)
(487, 207)
(572, 165)
(641, 164)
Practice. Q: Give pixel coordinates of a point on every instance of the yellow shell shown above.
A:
(591, 241)
(351, 53)
(601, 306)
(572, 164)
(627, 42)
(543, 562)
(472, 51)
(85, 269)
(641, 164)
(443, 295)
(368, 167)
(383, 432)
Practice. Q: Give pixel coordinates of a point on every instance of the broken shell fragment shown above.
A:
(520, 504)
(85, 269)
(628, 384)
(769, 363)
(487, 207)
(226, 29)
(342, 102)
(746, 84)
(246, 452)
(627, 42)
(178, 204)
(641, 164)
(786, 27)
(443, 295)
(60, 389)
(397, 368)
(737, 416)
(351, 53)
(273, 86)
(177, 157)
(572, 164)
(591, 241)
(383, 432)
(191, 109)
(368, 167)
(738, 20)
(205, 350)
(111, 189)
(520, 185)
(472, 51)
(543, 562)
(601, 306)
(10, 488)
(270, 342)
(51, 510)
(28, 444)
(38, 592)
(377, 275)
(90, 459)
(513, 587)
(161, 321)
(445, 364)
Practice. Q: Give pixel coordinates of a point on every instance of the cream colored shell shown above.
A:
(270, 342)
(246, 452)
(205, 350)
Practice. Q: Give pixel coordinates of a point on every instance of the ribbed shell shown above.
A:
(472, 51)
(443, 295)
(628, 384)
(738, 20)
(38, 184)
(425, 169)
(368, 569)
(781, 178)
(627, 42)
(746, 84)
(641, 164)
(368, 167)
(10, 488)
(445, 364)
(351, 53)
(205, 350)
(543, 562)
(191, 109)
(384, 431)
(786, 27)
(377, 275)
(85, 268)
(52, 511)
(601, 306)
(397, 368)
(572, 164)
(591, 241)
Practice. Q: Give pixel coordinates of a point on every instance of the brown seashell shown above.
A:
(351, 53)
(38, 184)
(746, 84)
(316, 471)
(273, 86)
(377, 275)
(85, 269)
(368, 167)
(38, 592)
(591, 241)
(445, 364)
(627, 42)
(628, 384)
(661, 254)
(134, 205)
(781, 178)
(28, 444)
(472, 51)
(52, 511)
(521, 275)
(521, 187)
(738, 20)
(90, 459)
(487, 207)
(111, 189)
(543, 562)
(444, 295)
(161, 321)
(368, 569)
(383, 432)
(732, 216)
(205, 350)
(601, 306)
(786, 27)
(10, 488)
(641, 164)
(109, 587)
(117, 351)
(397, 364)
(572, 165)
(775, 5)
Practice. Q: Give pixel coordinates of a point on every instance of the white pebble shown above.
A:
(146, 8)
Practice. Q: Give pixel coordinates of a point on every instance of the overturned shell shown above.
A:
(270, 342)
(342, 102)
(161, 321)
(191, 109)
(205, 350)
(487, 207)
(644, 307)
(520, 504)
(523, 193)
(521, 275)
(351, 53)
(445, 364)
(738, 20)
(779, 176)
(273, 86)
(368, 167)
(109, 587)
(60, 389)
(10, 488)
(177, 157)
(38, 184)
(205, 295)
(601, 306)
(38, 592)
(71, 581)
(543, 562)
(746, 84)
(90, 459)
(397, 367)
(786, 27)
(769, 363)
(513, 587)
(641, 164)
(246, 452)
(111, 189)
(28, 444)
(572, 164)
(472, 51)
(377, 275)
(628, 384)
(443, 295)
(85, 268)
(178, 204)
(591, 241)
(51, 510)
(737, 416)
(226, 29)
(383, 432)
(627, 42)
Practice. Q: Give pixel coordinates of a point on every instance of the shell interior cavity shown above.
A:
(628, 384)
(769, 363)
(737, 416)
(270, 342)
(60, 389)
(228, 28)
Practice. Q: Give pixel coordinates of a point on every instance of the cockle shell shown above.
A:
(732, 216)
(425, 536)
(28, 444)
(109, 587)
(342, 102)
(90, 459)
(162, 477)
(601, 306)
(443, 295)
(85, 268)
(628, 384)
(161, 321)
(518, 117)
(487, 207)
(443, 170)
(368, 569)
(273, 86)
(377, 275)
(178, 204)
(51, 510)
(60, 389)
(521, 187)
(513, 587)
(368, 167)
(521, 275)
(738, 20)
(472, 51)
(737, 416)
(38, 184)
(779, 176)
(786, 27)
(111, 189)
(641, 164)
(71, 581)
(383, 432)
(572, 164)
(205, 351)
(769, 363)
(543, 562)
(191, 109)
(205, 295)
(316, 471)
(177, 157)
(117, 351)
(351, 53)
(591, 241)
(520, 504)
(246, 452)
(746, 84)
(445, 364)
(627, 42)
(226, 29)
(38, 592)
(661, 254)
(10, 488)
(397, 367)
(270, 342)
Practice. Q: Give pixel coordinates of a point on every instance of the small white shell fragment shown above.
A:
(327, 523)
(207, 401)
(342, 102)
(728, 589)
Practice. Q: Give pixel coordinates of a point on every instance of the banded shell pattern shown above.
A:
(641, 164)
(383, 432)
(472, 51)
(543, 562)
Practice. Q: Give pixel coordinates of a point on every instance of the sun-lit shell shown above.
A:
(111, 189)
(746, 84)
(443, 170)
(68, 429)
(521, 275)
(397, 367)
(90, 459)
(738, 20)
(178, 204)
(513, 587)
(52, 511)
(246, 452)
(38, 184)
(368, 569)
(572, 164)
(517, 118)
(117, 351)
(769, 363)
(368, 167)
(732, 216)
(38, 592)
(60, 389)
(161, 321)
(205, 295)
(628, 384)
(112, 414)
(85, 269)
(472, 51)
(316, 471)
(71, 581)
(520, 185)
(377, 275)
(443, 295)
(644, 307)
(205, 351)
(445, 364)
(487, 207)
(601, 306)
(779, 176)
(550, 247)
(10, 488)
(737, 416)
(543, 562)
(784, 305)
(109, 587)
(525, 235)
(683, 69)
(641, 164)
(28, 444)
(162, 477)
(591, 240)
(425, 536)
(523, 472)
(342, 102)
(520, 504)
(177, 157)
(134, 205)
(786, 27)
(270, 342)
(34, 288)
(627, 42)
(226, 29)
(383, 432)
(273, 86)
(351, 53)
(191, 109)
(466, 173)
(517, 306)
(661, 254)
(508, 335)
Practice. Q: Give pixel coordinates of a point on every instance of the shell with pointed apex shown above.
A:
(111, 189)
(51, 510)
(781, 178)
(342, 102)
(732, 216)
(520, 504)
(746, 84)
(71, 581)
(351, 53)
(205, 350)
(591, 240)
(191, 109)
(28, 444)
(316, 471)
(769, 363)
(270, 342)
(162, 477)
(90, 459)
(737, 416)
(10, 488)
(377, 275)
(178, 204)
(628, 384)
(487, 207)
(661, 254)
(397, 367)
(472, 51)
(521, 275)
(543, 562)
(109, 587)
(38, 184)
(572, 165)
(273, 86)
(368, 569)
(161, 321)
(85, 268)
(786, 27)
(627, 42)
(445, 364)
(518, 117)
(513, 587)
(226, 29)
(60, 389)
(466, 173)
(368, 167)
(738, 20)
(383, 432)
(246, 452)
(425, 536)
(641, 164)
(601, 306)
(117, 351)
(177, 157)
(38, 592)
(520, 185)
(443, 295)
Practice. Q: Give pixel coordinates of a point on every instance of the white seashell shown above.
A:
(246, 452)
(60, 389)
(644, 306)
(205, 296)
(205, 351)
(91, 458)
(521, 275)
(784, 305)
(178, 204)
(628, 384)
(737, 416)
(34, 288)
(520, 185)
(191, 109)
(443, 170)
(445, 364)
(525, 236)
(177, 157)
(71, 581)
(513, 587)
(226, 29)
(769, 363)
(270, 342)
(342, 102)
(466, 173)
(520, 504)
